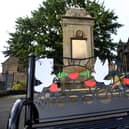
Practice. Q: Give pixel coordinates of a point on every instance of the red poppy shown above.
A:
(125, 81)
(90, 83)
(54, 87)
(73, 76)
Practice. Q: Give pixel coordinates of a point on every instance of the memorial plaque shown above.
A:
(79, 48)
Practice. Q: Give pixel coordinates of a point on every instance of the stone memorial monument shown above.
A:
(78, 34)
(77, 27)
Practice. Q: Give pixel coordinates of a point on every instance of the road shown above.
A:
(75, 108)
(47, 112)
(5, 107)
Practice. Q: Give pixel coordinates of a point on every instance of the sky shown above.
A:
(12, 9)
(121, 9)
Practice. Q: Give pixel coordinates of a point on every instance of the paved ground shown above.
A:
(5, 106)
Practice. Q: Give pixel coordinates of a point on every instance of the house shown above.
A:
(13, 71)
(123, 55)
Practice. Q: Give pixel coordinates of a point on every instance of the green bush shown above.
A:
(19, 85)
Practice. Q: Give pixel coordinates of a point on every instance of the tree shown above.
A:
(105, 26)
(44, 28)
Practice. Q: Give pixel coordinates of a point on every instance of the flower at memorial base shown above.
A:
(90, 83)
(125, 81)
(73, 76)
(54, 88)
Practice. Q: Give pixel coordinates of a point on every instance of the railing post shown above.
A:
(30, 91)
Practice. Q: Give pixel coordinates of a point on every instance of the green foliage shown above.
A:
(19, 85)
(105, 26)
(44, 27)
(62, 75)
(86, 74)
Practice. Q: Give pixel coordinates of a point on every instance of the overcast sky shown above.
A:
(12, 9)
(121, 9)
